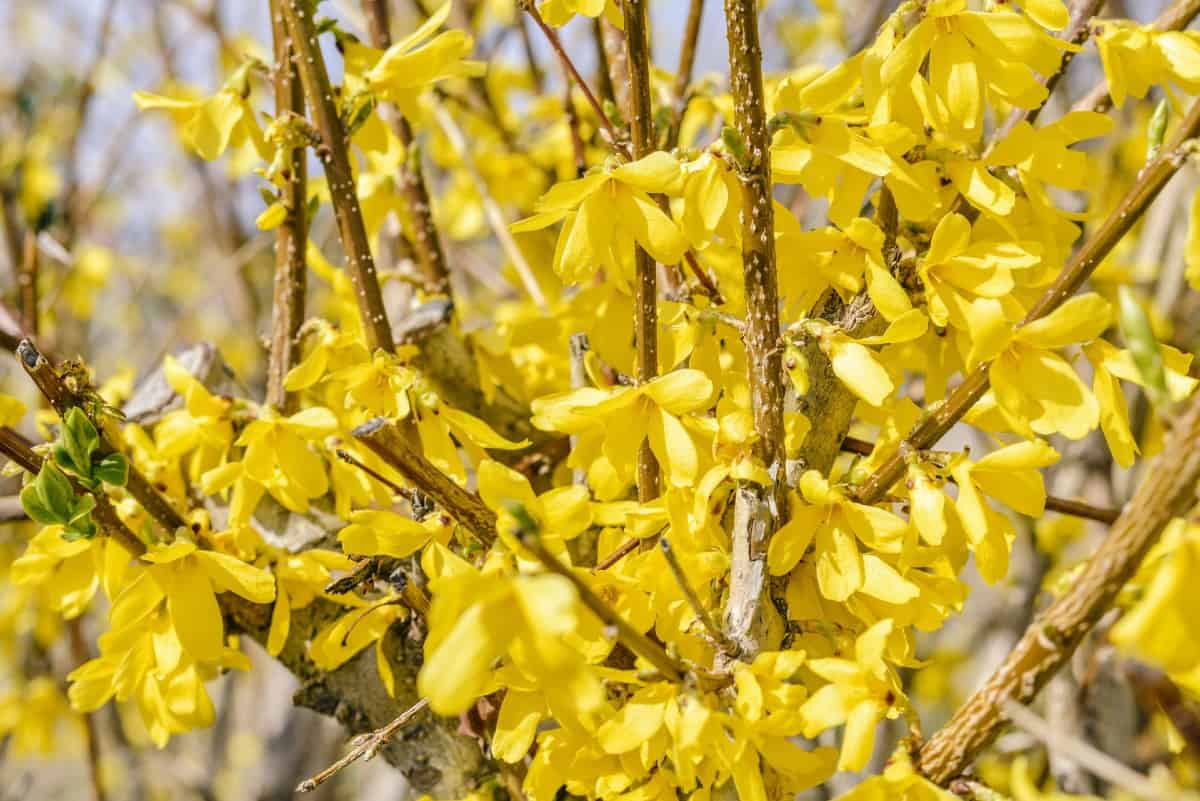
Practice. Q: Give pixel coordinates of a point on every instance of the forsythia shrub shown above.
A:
(664, 515)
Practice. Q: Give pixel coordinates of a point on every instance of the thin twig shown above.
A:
(291, 237)
(645, 285)
(334, 155)
(27, 285)
(80, 654)
(351, 459)
(556, 44)
(1151, 180)
(1168, 490)
(862, 447)
(683, 74)
(364, 746)
(621, 552)
(1088, 756)
(689, 593)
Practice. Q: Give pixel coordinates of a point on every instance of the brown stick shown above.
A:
(758, 511)
(334, 155)
(291, 237)
(1168, 491)
(1150, 182)
(645, 285)
(62, 399)
(426, 240)
(386, 441)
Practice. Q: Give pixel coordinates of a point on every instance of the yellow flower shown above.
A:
(188, 579)
(209, 125)
(605, 212)
(560, 12)
(1136, 57)
(278, 459)
(1011, 476)
(975, 55)
(202, 428)
(833, 523)
(624, 417)
(861, 692)
(1036, 389)
(410, 66)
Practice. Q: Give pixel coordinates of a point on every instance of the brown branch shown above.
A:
(1175, 18)
(1150, 182)
(645, 285)
(625, 548)
(19, 449)
(291, 237)
(1168, 490)
(683, 74)
(62, 398)
(387, 442)
(603, 75)
(351, 459)
(334, 155)
(364, 746)
(758, 510)
(426, 240)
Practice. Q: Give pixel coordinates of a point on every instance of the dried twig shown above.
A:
(683, 74)
(364, 746)
(334, 155)
(1168, 490)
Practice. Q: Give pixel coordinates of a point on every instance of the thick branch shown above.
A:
(334, 155)
(291, 237)
(1167, 492)
(749, 614)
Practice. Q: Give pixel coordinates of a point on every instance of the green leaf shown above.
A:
(38, 511)
(80, 439)
(54, 491)
(112, 469)
(1143, 345)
